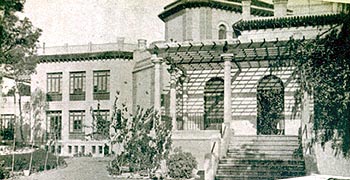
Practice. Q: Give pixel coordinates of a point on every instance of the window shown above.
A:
(77, 86)
(54, 122)
(69, 149)
(93, 149)
(76, 149)
(222, 31)
(82, 149)
(76, 120)
(101, 85)
(54, 87)
(52, 149)
(101, 119)
(59, 149)
(100, 149)
(7, 122)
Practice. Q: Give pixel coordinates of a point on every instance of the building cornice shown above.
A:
(258, 8)
(287, 22)
(86, 56)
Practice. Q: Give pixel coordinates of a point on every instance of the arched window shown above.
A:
(270, 100)
(222, 31)
(214, 103)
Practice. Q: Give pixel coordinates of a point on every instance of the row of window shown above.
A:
(76, 123)
(58, 150)
(77, 85)
(82, 149)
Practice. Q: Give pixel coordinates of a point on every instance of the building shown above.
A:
(214, 78)
(78, 81)
(210, 77)
(9, 109)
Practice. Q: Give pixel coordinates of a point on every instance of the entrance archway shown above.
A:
(270, 100)
(214, 103)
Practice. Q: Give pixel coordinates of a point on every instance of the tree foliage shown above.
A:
(324, 70)
(18, 38)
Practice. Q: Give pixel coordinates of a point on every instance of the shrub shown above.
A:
(181, 164)
(144, 138)
(4, 173)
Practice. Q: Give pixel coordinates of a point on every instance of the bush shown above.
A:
(181, 164)
(4, 173)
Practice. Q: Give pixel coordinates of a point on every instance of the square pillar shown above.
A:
(157, 95)
(246, 9)
(227, 87)
(173, 100)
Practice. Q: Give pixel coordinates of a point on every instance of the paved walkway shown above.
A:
(78, 168)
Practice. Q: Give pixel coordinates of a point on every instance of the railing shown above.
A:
(77, 97)
(101, 95)
(54, 97)
(86, 48)
(77, 135)
(194, 122)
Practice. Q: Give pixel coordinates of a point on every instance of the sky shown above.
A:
(101, 21)
(96, 21)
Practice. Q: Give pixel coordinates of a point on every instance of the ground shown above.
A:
(78, 168)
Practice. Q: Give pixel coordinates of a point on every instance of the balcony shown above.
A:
(77, 135)
(101, 95)
(54, 96)
(77, 96)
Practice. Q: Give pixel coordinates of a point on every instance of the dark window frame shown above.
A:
(76, 121)
(77, 85)
(54, 86)
(54, 117)
(101, 85)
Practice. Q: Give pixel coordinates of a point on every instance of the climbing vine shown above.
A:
(324, 70)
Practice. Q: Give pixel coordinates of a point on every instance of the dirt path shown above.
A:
(78, 168)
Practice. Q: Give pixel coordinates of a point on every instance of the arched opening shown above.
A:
(270, 100)
(214, 103)
(222, 31)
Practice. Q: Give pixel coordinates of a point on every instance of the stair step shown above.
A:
(260, 168)
(263, 148)
(264, 143)
(233, 161)
(234, 177)
(264, 138)
(262, 156)
(274, 173)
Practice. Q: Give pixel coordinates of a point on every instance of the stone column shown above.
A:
(185, 104)
(280, 8)
(157, 64)
(246, 9)
(173, 99)
(227, 87)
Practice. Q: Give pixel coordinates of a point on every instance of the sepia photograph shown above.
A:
(175, 89)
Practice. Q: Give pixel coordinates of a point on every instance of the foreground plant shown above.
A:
(144, 138)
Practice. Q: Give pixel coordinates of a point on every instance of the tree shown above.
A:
(37, 106)
(18, 40)
(324, 70)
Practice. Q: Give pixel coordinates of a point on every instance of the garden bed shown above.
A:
(38, 163)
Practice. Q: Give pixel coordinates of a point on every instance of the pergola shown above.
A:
(219, 55)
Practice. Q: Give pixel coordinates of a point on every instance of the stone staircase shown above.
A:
(263, 157)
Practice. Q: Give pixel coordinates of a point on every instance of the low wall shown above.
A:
(329, 164)
(199, 143)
